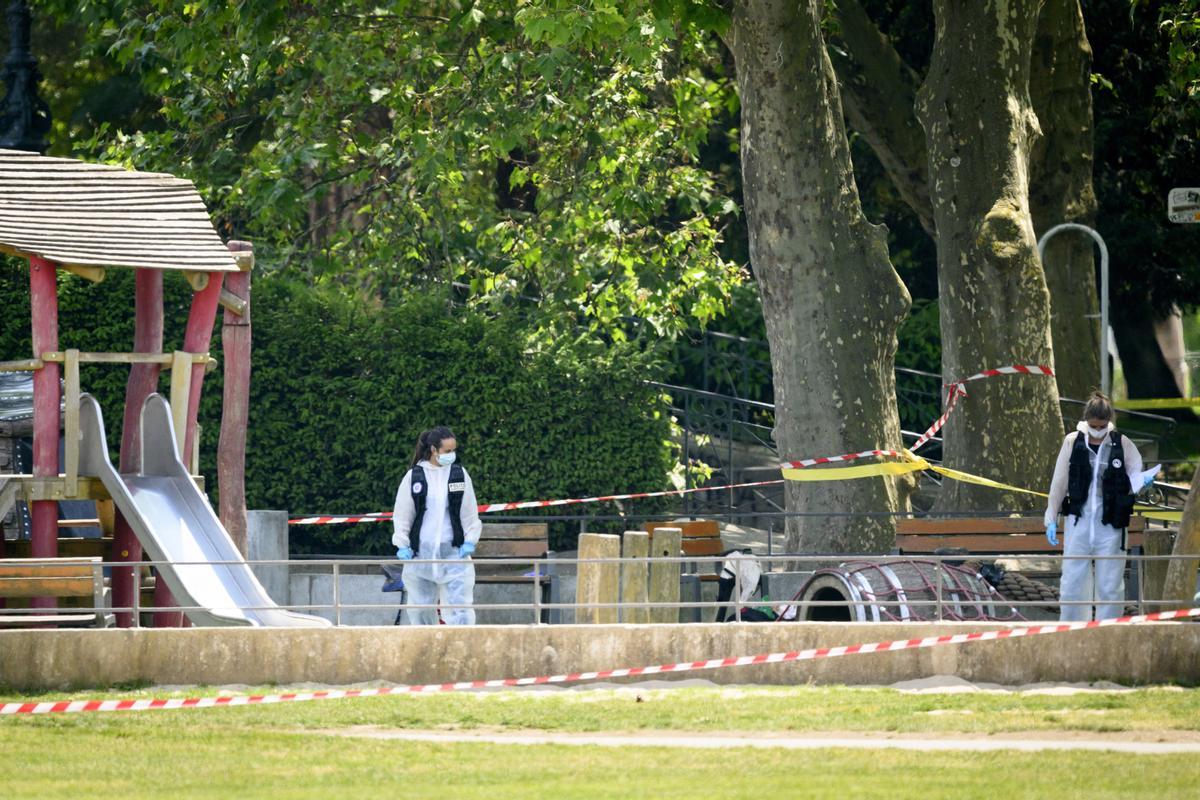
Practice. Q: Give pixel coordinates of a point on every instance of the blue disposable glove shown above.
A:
(1149, 480)
(404, 553)
(1052, 534)
(466, 549)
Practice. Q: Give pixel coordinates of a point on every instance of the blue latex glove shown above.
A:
(404, 553)
(1052, 534)
(1149, 480)
(466, 549)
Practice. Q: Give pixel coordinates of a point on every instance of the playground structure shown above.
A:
(84, 218)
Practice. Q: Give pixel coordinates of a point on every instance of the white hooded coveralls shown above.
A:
(450, 584)
(1087, 536)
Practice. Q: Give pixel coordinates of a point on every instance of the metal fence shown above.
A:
(939, 594)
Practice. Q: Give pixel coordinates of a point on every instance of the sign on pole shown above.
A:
(1183, 205)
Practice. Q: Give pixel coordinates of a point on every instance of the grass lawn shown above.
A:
(272, 751)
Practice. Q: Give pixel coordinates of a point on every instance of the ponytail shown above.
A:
(427, 441)
(1098, 407)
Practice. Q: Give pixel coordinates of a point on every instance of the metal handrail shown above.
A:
(337, 607)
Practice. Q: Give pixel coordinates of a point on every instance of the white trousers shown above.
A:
(454, 586)
(1087, 578)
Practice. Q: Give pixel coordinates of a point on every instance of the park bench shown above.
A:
(1008, 536)
(61, 577)
(987, 535)
(524, 540)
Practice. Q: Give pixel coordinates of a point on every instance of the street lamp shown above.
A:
(24, 117)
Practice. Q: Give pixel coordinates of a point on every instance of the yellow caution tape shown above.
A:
(966, 477)
(914, 463)
(850, 473)
(1160, 402)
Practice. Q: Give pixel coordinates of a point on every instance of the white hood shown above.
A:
(1082, 427)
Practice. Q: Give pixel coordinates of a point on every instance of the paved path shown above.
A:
(724, 741)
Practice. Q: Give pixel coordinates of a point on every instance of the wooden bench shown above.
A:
(988, 535)
(524, 540)
(61, 577)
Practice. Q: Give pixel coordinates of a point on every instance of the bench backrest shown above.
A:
(701, 537)
(64, 577)
(513, 540)
(986, 534)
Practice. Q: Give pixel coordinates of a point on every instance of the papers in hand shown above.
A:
(1147, 474)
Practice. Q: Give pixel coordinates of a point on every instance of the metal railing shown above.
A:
(938, 592)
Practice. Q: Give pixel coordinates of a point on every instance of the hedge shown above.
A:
(341, 390)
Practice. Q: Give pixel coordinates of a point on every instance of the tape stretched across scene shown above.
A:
(1160, 402)
(162, 704)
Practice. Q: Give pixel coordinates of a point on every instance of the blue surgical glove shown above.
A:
(404, 553)
(1052, 534)
(466, 549)
(1149, 480)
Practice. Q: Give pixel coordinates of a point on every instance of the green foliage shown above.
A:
(340, 392)
(535, 148)
(920, 348)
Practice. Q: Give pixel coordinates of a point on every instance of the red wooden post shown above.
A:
(235, 409)
(43, 301)
(196, 339)
(143, 381)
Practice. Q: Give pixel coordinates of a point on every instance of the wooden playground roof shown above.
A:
(98, 215)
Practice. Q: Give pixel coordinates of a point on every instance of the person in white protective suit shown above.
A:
(1096, 477)
(436, 516)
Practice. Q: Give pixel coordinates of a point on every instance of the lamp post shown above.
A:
(24, 117)
(1105, 377)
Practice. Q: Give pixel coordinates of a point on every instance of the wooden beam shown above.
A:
(71, 432)
(197, 280)
(181, 384)
(22, 365)
(232, 303)
(93, 274)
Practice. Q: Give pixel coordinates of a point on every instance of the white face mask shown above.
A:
(1097, 433)
(446, 459)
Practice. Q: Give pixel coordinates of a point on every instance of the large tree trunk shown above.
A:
(879, 89)
(1060, 190)
(1180, 585)
(995, 308)
(831, 299)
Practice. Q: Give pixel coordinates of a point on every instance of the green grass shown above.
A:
(780, 709)
(272, 751)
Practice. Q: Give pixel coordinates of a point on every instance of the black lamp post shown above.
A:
(24, 117)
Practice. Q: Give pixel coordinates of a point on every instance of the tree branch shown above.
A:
(878, 96)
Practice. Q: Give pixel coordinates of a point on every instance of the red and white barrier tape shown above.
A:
(954, 390)
(384, 516)
(78, 706)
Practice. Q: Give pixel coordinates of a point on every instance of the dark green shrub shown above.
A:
(340, 392)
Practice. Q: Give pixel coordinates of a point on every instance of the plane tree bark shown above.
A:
(831, 300)
(879, 93)
(980, 128)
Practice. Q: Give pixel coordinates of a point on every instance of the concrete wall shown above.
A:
(48, 659)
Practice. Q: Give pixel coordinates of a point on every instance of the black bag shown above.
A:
(392, 580)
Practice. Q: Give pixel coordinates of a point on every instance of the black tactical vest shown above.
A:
(420, 491)
(1116, 492)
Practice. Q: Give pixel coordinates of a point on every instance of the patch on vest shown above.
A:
(1116, 463)
(417, 488)
(461, 486)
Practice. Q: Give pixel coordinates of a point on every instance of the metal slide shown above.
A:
(175, 523)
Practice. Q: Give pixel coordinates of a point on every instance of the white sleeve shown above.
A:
(1133, 464)
(469, 514)
(403, 512)
(1058, 484)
